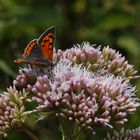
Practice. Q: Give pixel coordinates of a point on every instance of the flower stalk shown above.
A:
(28, 131)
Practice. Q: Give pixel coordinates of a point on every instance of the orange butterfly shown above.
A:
(40, 51)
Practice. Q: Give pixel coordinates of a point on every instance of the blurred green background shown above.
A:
(103, 22)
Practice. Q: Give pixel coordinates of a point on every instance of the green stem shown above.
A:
(62, 130)
(63, 137)
(69, 130)
(76, 131)
(28, 131)
(30, 134)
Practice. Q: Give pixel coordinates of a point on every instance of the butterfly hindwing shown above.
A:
(46, 43)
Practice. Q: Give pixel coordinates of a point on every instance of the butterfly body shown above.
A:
(40, 51)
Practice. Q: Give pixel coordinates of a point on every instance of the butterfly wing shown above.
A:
(29, 49)
(40, 51)
(46, 43)
(31, 53)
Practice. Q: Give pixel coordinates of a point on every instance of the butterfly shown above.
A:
(40, 51)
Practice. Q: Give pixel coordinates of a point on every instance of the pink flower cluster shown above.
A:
(128, 134)
(86, 85)
(12, 110)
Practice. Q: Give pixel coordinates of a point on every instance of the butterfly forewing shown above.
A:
(27, 52)
(46, 42)
(32, 44)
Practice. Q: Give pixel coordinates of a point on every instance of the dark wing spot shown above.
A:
(46, 41)
(50, 36)
(51, 43)
(43, 46)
